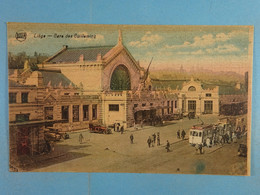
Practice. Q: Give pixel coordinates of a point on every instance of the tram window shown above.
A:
(196, 134)
(191, 133)
(199, 134)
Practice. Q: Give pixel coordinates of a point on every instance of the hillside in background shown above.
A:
(228, 82)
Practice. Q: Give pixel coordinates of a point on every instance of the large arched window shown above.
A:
(120, 79)
(192, 88)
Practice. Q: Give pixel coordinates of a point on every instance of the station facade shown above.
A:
(112, 73)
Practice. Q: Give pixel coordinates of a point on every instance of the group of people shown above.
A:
(222, 137)
(151, 141)
(118, 128)
(181, 134)
(227, 137)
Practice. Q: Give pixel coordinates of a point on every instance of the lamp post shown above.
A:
(200, 103)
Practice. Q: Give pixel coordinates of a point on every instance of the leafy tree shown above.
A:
(16, 61)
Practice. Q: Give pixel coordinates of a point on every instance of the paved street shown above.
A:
(115, 153)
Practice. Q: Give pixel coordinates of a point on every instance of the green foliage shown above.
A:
(16, 61)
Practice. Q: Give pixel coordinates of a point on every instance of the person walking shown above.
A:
(154, 138)
(183, 133)
(80, 138)
(142, 124)
(208, 142)
(200, 149)
(167, 146)
(132, 138)
(149, 141)
(117, 127)
(158, 139)
(122, 129)
(152, 143)
(179, 134)
(234, 138)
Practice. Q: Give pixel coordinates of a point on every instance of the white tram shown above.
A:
(199, 133)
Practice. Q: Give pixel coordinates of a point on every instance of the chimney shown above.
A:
(81, 58)
(99, 58)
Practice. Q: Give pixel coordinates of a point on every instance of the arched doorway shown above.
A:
(120, 79)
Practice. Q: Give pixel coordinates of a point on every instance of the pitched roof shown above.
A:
(55, 78)
(72, 55)
(224, 89)
(173, 84)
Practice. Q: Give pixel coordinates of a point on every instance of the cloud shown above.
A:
(147, 40)
(182, 53)
(223, 37)
(223, 49)
(198, 52)
(208, 40)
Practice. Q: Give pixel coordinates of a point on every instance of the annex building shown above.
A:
(194, 98)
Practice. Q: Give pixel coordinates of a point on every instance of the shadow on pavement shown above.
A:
(61, 153)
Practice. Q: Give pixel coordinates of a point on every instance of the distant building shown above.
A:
(192, 97)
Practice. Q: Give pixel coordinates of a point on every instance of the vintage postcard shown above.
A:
(130, 98)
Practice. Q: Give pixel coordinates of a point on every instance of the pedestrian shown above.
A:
(158, 139)
(179, 134)
(230, 135)
(200, 149)
(149, 141)
(212, 141)
(132, 138)
(154, 138)
(227, 138)
(135, 128)
(167, 146)
(117, 128)
(183, 133)
(221, 139)
(152, 143)
(208, 142)
(142, 124)
(80, 138)
(234, 138)
(122, 129)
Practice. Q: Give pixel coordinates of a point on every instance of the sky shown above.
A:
(217, 48)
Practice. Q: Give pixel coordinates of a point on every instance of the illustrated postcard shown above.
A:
(130, 98)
